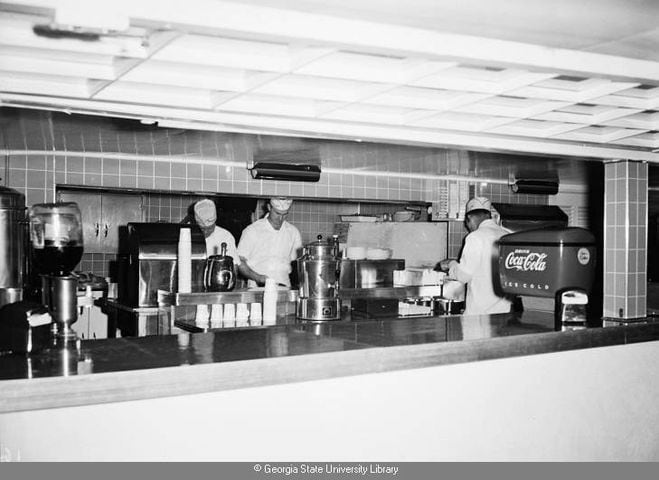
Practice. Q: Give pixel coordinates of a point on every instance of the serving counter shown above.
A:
(265, 375)
(49, 379)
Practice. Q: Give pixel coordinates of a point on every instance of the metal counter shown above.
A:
(166, 299)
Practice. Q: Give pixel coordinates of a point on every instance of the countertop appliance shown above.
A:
(369, 273)
(148, 262)
(57, 246)
(416, 245)
(554, 263)
(12, 251)
(318, 271)
(220, 274)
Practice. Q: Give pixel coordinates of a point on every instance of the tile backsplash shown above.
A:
(50, 150)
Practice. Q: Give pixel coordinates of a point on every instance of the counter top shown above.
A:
(101, 371)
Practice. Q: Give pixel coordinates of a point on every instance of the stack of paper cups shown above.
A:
(184, 261)
(216, 315)
(201, 315)
(255, 314)
(270, 302)
(229, 319)
(242, 315)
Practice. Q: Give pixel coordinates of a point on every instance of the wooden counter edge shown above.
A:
(98, 388)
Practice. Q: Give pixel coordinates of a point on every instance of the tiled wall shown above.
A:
(497, 194)
(625, 239)
(106, 153)
(311, 217)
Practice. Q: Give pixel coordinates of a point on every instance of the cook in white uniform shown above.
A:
(478, 256)
(205, 215)
(269, 245)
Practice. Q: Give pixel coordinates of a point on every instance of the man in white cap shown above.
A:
(205, 216)
(478, 256)
(268, 246)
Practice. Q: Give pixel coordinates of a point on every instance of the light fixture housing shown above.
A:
(284, 171)
(537, 187)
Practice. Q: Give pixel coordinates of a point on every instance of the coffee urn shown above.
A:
(552, 262)
(12, 251)
(319, 270)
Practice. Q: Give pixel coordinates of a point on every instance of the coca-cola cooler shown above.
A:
(556, 263)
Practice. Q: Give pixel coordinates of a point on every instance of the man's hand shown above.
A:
(444, 265)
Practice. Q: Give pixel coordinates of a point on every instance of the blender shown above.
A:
(56, 236)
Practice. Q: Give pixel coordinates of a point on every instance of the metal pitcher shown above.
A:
(219, 273)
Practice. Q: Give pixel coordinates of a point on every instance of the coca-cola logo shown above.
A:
(526, 261)
(583, 255)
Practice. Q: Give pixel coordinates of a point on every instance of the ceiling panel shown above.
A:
(476, 74)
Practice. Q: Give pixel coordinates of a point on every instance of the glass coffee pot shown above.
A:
(56, 237)
(56, 234)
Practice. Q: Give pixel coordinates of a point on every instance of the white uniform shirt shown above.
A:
(215, 240)
(269, 251)
(475, 269)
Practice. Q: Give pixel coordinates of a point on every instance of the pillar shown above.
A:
(625, 239)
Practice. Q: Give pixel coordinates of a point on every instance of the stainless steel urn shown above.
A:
(12, 247)
(319, 270)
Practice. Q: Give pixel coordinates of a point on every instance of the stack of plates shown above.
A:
(378, 253)
(356, 253)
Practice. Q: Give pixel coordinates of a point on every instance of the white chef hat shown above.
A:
(204, 213)
(478, 203)
(281, 204)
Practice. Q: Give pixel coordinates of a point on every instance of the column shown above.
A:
(625, 239)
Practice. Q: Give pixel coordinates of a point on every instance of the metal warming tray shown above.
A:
(149, 262)
(369, 273)
(167, 298)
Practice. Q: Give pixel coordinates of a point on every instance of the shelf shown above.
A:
(211, 298)
(256, 295)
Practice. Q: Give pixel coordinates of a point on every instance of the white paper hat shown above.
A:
(478, 203)
(204, 213)
(281, 204)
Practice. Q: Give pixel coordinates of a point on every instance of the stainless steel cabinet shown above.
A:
(103, 214)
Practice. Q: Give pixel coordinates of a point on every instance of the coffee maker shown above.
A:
(319, 269)
(551, 262)
(57, 246)
(219, 274)
(12, 268)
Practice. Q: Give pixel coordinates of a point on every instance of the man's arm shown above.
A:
(247, 272)
(464, 269)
